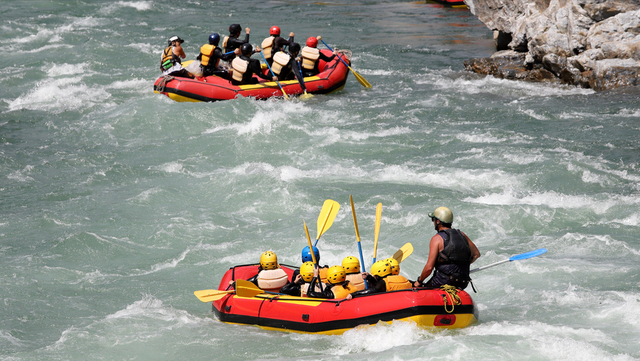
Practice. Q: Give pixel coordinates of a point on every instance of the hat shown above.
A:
(176, 38)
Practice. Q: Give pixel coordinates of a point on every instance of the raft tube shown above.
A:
(431, 308)
(332, 77)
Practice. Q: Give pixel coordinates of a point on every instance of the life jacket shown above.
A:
(356, 280)
(267, 45)
(397, 282)
(207, 52)
(272, 280)
(322, 272)
(342, 290)
(305, 288)
(456, 249)
(239, 68)
(280, 60)
(169, 59)
(224, 42)
(309, 57)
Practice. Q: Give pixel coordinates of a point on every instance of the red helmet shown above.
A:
(312, 42)
(275, 31)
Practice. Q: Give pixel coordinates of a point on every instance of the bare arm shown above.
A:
(475, 253)
(435, 246)
(179, 51)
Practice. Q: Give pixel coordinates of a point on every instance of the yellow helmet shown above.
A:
(269, 260)
(395, 266)
(444, 214)
(381, 268)
(351, 265)
(336, 274)
(306, 271)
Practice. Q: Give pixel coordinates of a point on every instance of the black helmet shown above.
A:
(214, 39)
(294, 48)
(235, 29)
(246, 49)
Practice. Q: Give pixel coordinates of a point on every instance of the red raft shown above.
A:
(332, 77)
(426, 307)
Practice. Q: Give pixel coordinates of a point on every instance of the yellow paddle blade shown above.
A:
(404, 252)
(328, 213)
(375, 240)
(306, 96)
(313, 255)
(247, 289)
(211, 295)
(355, 222)
(360, 79)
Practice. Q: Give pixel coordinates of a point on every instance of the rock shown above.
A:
(566, 39)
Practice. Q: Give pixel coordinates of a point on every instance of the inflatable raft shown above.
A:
(332, 77)
(426, 307)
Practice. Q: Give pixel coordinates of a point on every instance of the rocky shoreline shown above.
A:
(587, 43)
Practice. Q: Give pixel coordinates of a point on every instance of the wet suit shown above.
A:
(452, 265)
(278, 45)
(234, 43)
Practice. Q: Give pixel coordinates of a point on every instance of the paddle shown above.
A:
(375, 239)
(313, 254)
(273, 75)
(361, 80)
(211, 295)
(517, 257)
(404, 252)
(247, 289)
(306, 95)
(355, 224)
(328, 213)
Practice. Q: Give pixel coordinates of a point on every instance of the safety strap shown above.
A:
(163, 83)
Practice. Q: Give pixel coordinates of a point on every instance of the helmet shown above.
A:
(269, 260)
(175, 38)
(312, 42)
(351, 265)
(214, 39)
(275, 31)
(246, 49)
(294, 48)
(306, 271)
(306, 254)
(443, 214)
(336, 274)
(381, 268)
(395, 266)
(235, 29)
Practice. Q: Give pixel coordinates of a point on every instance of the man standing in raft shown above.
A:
(451, 253)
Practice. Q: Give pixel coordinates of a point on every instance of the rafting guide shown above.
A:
(287, 298)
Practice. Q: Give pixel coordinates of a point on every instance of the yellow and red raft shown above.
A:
(426, 307)
(332, 77)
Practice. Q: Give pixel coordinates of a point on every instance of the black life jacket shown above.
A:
(456, 248)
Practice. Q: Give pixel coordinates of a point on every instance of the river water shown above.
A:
(117, 203)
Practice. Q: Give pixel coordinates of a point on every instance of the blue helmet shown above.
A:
(306, 254)
(214, 39)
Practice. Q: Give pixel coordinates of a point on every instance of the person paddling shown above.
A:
(244, 67)
(310, 57)
(210, 56)
(450, 254)
(171, 61)
(274, 43)
(233, 41)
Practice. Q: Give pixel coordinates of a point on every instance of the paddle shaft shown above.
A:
(338, 55)
(517, 257)
(355, 224)
(377, 232)
(313, 254)
(273, 75)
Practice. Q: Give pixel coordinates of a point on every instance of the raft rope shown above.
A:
(163, 83)
(451, 294)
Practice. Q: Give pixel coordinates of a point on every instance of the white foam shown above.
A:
(22, 175)
(54, 70)
(59, 95)
(138, 5)
(379, 337)
(164, 265)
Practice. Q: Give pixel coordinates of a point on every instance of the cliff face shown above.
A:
(588, 43)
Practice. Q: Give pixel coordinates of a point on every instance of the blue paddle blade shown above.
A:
(531, 254)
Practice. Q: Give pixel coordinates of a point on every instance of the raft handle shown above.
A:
(305, 317)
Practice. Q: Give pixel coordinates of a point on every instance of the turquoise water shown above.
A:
(118, 203)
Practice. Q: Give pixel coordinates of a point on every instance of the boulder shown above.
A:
(575, 41)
